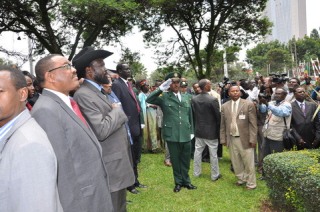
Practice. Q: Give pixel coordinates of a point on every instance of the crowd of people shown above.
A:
(71, 138)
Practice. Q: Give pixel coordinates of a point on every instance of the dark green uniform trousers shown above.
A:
(180, 153)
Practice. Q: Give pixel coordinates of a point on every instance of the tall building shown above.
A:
(289, 19)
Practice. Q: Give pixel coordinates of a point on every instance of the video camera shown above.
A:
(225, 81)
(279, 78)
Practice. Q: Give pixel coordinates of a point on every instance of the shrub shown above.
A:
(294, 180)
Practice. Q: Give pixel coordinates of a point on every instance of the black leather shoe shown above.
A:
(177, 188)
(190, 186)
(141, 186)
(134, 191)
(219, 176)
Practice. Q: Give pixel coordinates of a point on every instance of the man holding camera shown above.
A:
(279, 113)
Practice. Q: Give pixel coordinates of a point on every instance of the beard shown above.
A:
(101, 79)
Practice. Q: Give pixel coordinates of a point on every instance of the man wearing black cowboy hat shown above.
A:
(107, 120)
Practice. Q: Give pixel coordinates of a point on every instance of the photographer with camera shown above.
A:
(224, 87)
(278, 113)
(278, 81)
(292, 85)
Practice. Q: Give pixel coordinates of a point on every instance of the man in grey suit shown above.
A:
(206, 113)
(107, 120)
(82, 177)
(28, 165)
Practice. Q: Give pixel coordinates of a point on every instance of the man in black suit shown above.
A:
(124, 91)
(304, 121)
(206, 113)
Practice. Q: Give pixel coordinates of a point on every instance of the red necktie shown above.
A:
(29, 106)
(77, 111)
(134, 96)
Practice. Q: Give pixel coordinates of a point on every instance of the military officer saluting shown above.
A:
(177, 127)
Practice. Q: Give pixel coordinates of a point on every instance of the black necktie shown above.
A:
(103, 91)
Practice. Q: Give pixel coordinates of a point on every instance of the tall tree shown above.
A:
(257, 56)
(61, 26)
(204, 24)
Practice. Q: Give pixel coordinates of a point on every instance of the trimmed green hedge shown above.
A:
(293, 179)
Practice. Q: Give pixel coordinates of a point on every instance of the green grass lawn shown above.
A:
(222, 195)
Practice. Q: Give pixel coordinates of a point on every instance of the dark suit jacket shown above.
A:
(177, 116)
(206, 113)
(82, 177)
(109, 126)
(247, 127)
(303, 126)
(120, 88)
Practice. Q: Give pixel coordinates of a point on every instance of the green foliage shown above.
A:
(278, 59)
(280, 55)
(6, 62)
(133, 60)
(266, 53)
(201, 23)
(294, 180)
(62, 26)
(220, 196)
(308, 48)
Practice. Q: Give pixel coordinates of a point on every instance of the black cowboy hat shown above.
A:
(85, 57)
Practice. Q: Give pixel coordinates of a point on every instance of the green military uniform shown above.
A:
(177, 131)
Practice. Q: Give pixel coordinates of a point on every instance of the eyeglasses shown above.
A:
(66, 66)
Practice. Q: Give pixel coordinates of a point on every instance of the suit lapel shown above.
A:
(24, 116)
(174, 97)
(97, 92)
(125, 86)
(241, 104)
(69, 111)
(298, 108)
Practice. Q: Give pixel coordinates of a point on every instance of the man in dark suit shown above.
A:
(238, 131)
(82, 177)
(206, 113)
(177, 127)
(107, 120)
(124, 91)
(304, 121)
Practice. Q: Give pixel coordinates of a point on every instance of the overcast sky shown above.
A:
(134, 41)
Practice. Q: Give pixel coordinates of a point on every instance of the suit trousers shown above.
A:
(243, 162)
(261, 141)
(119, 200)
(180, 153)
(272, 146)
(213, 147)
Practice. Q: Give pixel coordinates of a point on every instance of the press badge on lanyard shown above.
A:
(242, 116)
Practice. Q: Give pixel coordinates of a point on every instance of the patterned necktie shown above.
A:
(134, 96)
(233, 126)
(303, 109)
(77, 111)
